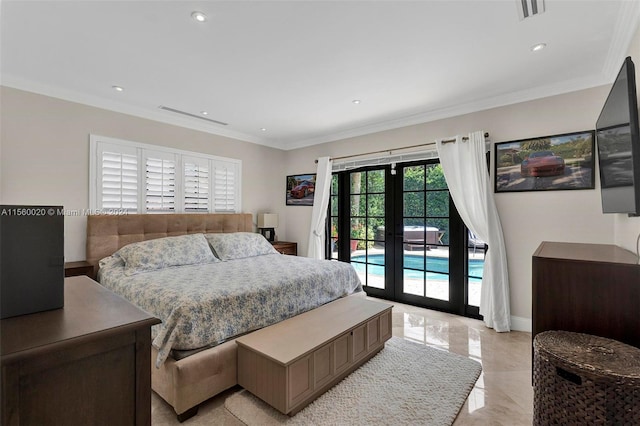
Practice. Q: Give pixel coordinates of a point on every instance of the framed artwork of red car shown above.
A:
(301, 189)
(557, 162)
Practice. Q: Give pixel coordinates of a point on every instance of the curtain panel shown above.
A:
(315, 249)
(465, 170)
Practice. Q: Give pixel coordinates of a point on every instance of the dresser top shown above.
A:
(89, 310)
(606, 253)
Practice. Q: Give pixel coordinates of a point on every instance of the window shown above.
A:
(226, 186)
(141, 178)
(196, 184)
(118, 186)
(160, 179)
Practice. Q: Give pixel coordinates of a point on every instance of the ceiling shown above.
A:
(285, 73)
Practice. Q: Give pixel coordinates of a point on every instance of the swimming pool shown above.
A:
(437, 267)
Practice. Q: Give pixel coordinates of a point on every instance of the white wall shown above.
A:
(45, 157)
(528, 218)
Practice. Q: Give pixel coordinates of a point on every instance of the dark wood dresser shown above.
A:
(88, 363)
(587, 288)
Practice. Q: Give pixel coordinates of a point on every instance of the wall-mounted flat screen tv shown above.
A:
(618, 141)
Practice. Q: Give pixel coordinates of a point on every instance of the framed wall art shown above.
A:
(301, 189)
(557, 162)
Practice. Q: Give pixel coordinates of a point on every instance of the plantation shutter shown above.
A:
(118, 178)
(134, 177)
(160, 180)
(196, 184)
(225, 186)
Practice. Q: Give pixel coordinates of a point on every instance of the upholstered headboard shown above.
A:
(108, 233)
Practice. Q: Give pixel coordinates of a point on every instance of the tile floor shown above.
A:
(502, 396)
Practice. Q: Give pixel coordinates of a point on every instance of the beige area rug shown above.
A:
(405, 384)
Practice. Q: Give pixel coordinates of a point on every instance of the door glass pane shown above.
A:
(370, 266)
(439, 231)
(413, 282)
(438, 286)
(333, 218)
(358, 205)
(475, 267)
(334, 205)
(438, 203)
(375, 205)
(413, 204)
(334, 238)
(438, 274)
(435, 177)
(375, 181)
(356, 186)
(376, 224)
(413, 179)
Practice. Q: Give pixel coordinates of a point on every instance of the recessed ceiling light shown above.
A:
(199, 16)
(356, 101)
(204, 113)
(117, 88)
(537, 47)
(263, 129)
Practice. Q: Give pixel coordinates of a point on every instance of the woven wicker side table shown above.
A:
(579, 379)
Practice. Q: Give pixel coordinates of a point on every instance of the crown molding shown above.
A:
(468, 108)
(627, 23)
(283, 144)
(154, 114)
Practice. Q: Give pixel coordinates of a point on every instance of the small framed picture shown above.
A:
(557, 162)
(301, 189)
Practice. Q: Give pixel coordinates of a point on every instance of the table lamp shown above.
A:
(266, 223)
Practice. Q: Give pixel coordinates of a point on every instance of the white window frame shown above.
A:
(97, 144)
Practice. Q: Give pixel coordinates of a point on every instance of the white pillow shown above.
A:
(152, 255)
(238, 245)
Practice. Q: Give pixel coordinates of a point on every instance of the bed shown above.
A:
(205, 302)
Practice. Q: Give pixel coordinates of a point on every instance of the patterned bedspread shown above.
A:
(204, 304)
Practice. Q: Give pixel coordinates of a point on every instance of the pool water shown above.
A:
(437, 267)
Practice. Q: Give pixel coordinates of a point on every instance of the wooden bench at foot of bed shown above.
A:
(291, 363)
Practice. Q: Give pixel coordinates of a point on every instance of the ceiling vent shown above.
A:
(529, 8)
(199, 117)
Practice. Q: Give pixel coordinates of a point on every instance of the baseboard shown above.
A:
(521, 324)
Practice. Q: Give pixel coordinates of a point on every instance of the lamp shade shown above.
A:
(267, 220)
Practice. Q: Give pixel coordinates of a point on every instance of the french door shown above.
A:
(401, 232)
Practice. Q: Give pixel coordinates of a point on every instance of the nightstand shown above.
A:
(286, 247)
(73, 269)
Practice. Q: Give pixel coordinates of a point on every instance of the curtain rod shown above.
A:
(390, 151)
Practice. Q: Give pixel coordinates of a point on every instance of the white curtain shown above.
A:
(320, 205)
(465, 169)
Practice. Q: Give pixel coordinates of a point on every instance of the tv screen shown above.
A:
(618, 142)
